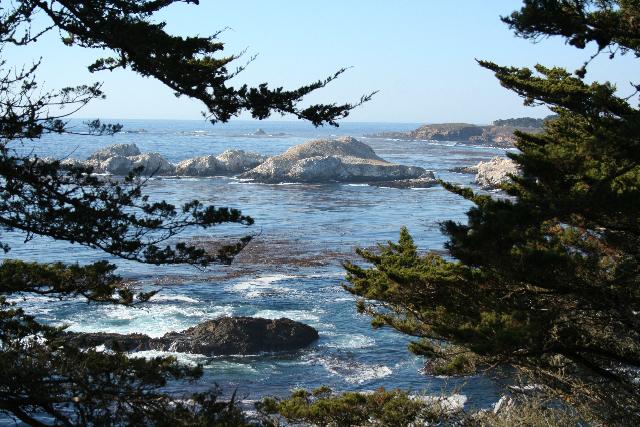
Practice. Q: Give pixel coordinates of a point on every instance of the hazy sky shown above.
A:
(419, 54)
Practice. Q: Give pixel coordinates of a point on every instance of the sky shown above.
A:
(420, 55)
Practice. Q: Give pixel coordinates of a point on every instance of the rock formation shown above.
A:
(229, 162)
(199, 166)
(122, 150)
(342, 160)
(493, 173)
(120, 159)
(152, 163)
(223, 336)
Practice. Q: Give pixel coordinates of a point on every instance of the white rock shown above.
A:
(447, 404)
(495, 172)
(200, 166)
(153, 164)
(342, 159)
(503, 404)
(317, 168)
(235, 161)
(122, 150)
(116, 165)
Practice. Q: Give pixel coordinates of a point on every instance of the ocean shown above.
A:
(303, 234)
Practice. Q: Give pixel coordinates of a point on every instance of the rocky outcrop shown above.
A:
(199, 166)
(152, 164)
(229, 162)
(236, 161)
(116, 342)
(241, 335)
(341, 160)
(223, 336)
(495, 172)
(116, 165)
(115, 150)
(120, 159)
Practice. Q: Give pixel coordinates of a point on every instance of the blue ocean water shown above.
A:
(319, 224)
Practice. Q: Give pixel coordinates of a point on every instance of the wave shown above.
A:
(262, 286)
(181, 298)
(348, 341)
(353, 372)
(152, 320)
(297, 315)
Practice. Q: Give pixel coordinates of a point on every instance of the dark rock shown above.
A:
(422, 182)
(240, 335)
(223, 336)
(120, 342)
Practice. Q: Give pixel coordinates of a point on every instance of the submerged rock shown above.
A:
(427, 180)
(342, 160)
(223, 336)
(495, 172)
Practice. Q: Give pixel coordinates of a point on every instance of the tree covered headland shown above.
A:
(547, 281)
(524, 122)
(44, 381)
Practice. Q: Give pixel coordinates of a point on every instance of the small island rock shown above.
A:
(222, 336)
(495, 172)
(342, 160)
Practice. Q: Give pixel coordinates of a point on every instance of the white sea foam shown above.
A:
(350, 370)
(154, 320)
(181, 298)
(260, 286)
(298, 315)
(349, 341)
(183, 358)
(355, 372)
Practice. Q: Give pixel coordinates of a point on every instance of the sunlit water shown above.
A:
(349, 355)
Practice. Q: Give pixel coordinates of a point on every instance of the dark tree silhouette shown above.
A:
(547, 281)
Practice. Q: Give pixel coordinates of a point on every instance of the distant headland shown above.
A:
(499, 133)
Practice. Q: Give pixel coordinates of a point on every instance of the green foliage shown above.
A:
(44, 380)
(527, 122)
(382, 408)
(323, 407)
(547, 281)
